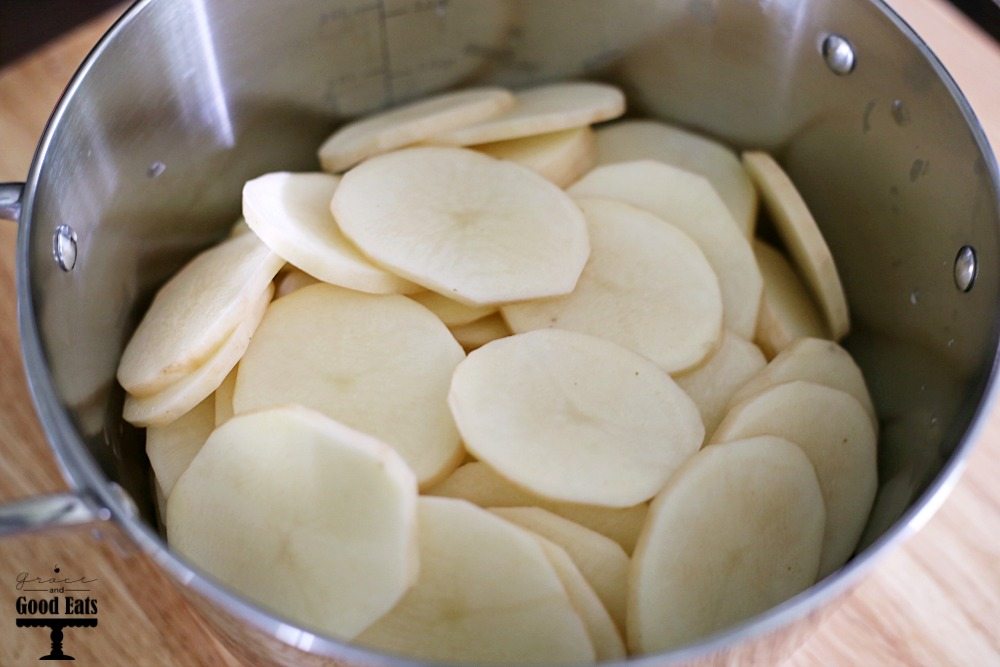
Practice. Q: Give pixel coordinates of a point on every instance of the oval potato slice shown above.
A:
(474, 335)
(541, 110)
(292, 280)
(410, 124)
(835, 432)
(177, 399)
(378, 363)
(572, 417)
(561, 157)
(223, 398)
(291, 214)
(480, 484)
(737, 530)
(630, 140)
(194, 312)
(787, 312)
(802, 237)
(688, 201)
(475, 229)
(647, 286)
(451, 312)
(487, 594)
(170, 448)
(285, 496)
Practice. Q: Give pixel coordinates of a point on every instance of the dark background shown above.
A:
(27, 24)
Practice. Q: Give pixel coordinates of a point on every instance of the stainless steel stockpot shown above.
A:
(144, 158)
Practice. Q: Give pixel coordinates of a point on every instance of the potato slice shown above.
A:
(736, 531)
(712, 384)
(451, 312)
(293, 279)
(291, 214)
(410, 124)
(486, 595)
(835, 432)
(647, 286)
(573, 417)
(688, 201)
(787, 312)
(194, 312)
(224, 397)
(475, 229)
(602, 562)
(177, 399)
(304, 515)
(630, 140)
(561, 157)
(380, 364)
(480, 484)
(802, 238)
(541, 110)
(813, 360)
(474, 335)
(170, 448)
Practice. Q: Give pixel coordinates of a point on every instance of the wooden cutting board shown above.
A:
(935, 601)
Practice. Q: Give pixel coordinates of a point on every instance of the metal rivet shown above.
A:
(155, 169)
(965, 268)
(839, 55)
(64, 247)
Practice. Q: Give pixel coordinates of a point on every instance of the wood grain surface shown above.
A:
(935, 601)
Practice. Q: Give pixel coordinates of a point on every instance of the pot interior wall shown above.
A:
(191, 98)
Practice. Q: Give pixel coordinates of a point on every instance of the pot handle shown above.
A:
(10, 200)
(49, 511)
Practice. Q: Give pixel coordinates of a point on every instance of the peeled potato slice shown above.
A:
(224, 398)
(171, 448)
(689, 202)
(813, 360)
(309, 518)
(630, 140)
(647, 286)
(451, 312)
(801, 235)
(475, 229)
(540, 110)
(835, 432)
(572, 417)
(293, 279)
(410, 124)
(480, 484)
(177, 399)
(602, 562)
(474, 335)
(195, 312)
(712, 384)
(561, 157)
(487, 594)
(291, 214)
(787, 312)
(380, 364)
(736, 531)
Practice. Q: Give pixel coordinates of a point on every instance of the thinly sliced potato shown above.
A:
(814, 360)
(305, 516)
(291, 215)
(410, 124)
(194, 312)
(835, 432)
(474, 335)
(712, 384)
(487, 594)
(475, 229)
(647, 286)
(736, 531)
(541, 110)
(177, 399)
(292, 280)
(223, 397)
(602, 562)
(451, 312)
(688, 201)
(573, 417)
(170, 448)
(380, 364)
(480, 484)
(787, 312)
(561, 157)
(631, 140)
(802, 238)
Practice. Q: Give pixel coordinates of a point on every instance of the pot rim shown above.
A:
(85, 477)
